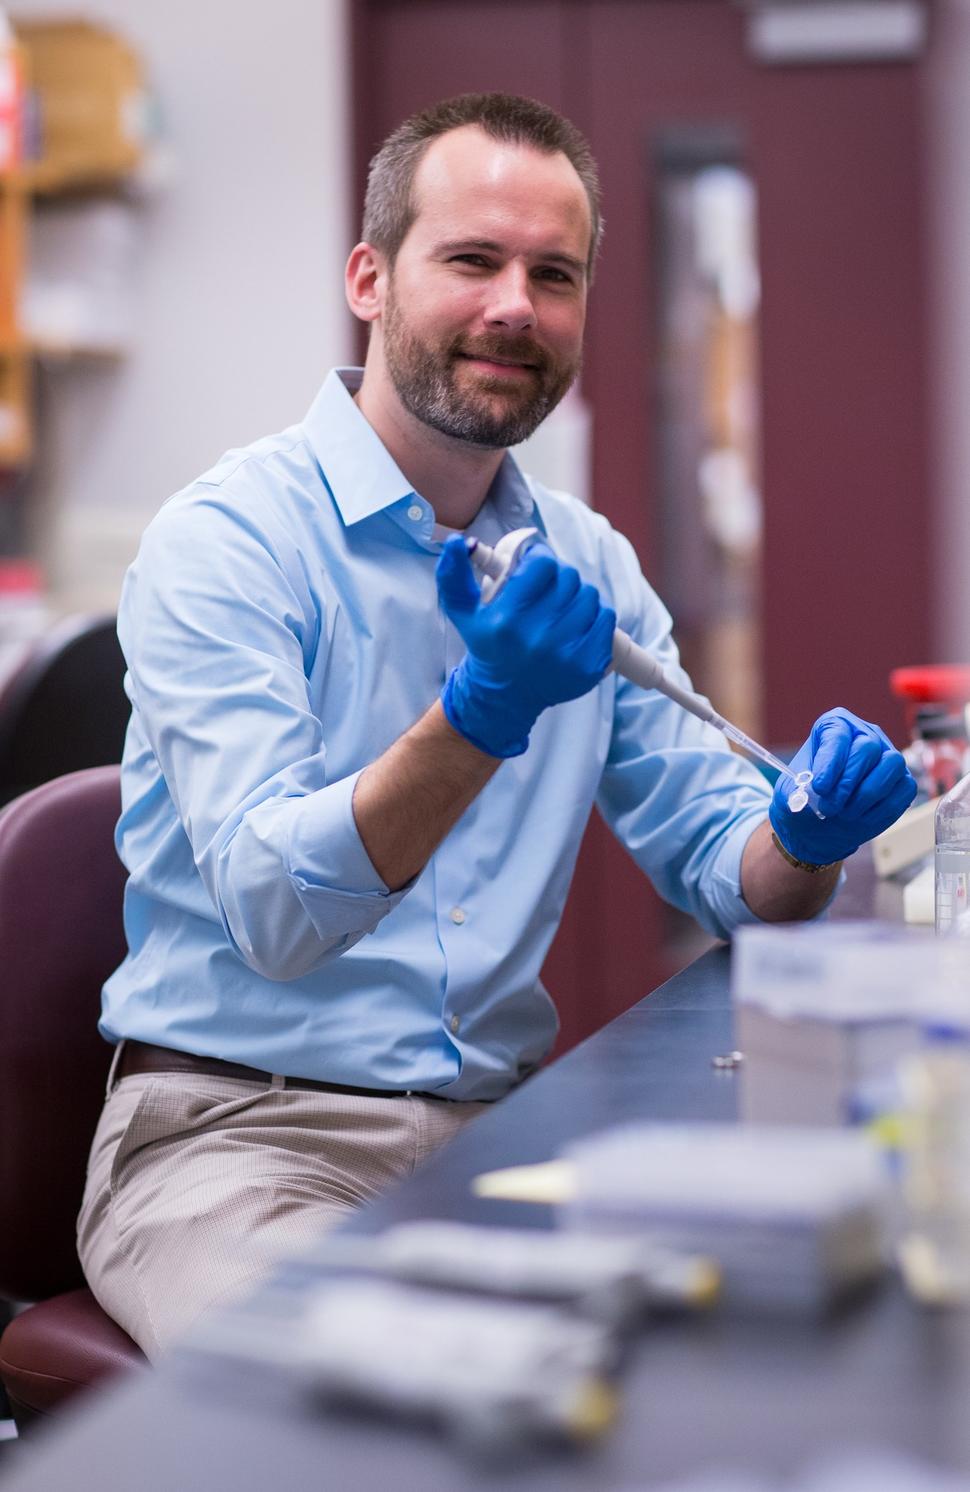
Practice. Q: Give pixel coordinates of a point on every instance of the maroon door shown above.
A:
(833, 152)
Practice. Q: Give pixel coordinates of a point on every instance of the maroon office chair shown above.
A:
(61, 935)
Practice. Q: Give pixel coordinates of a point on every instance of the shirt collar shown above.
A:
(364, 478)
(360, 472)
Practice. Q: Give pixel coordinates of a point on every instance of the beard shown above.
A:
(493, 412)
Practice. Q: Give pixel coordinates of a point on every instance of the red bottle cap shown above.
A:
(932, 682)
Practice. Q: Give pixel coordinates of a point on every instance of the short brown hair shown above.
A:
(389, 207)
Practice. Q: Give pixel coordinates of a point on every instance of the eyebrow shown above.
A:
(489, 246)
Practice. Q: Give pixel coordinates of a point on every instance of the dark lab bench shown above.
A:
(714, 1393)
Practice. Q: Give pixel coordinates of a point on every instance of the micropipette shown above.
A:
(636, 664)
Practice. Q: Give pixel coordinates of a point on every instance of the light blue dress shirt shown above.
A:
(281, 627)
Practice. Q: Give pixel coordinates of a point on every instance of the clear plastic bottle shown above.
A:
(939, 753)
(935, 1247)
(953, 862)
(945, 744)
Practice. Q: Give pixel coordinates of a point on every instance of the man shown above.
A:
(353, 794)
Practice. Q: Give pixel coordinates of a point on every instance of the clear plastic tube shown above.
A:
(735, 734)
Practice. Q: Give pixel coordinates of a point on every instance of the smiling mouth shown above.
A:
(507, 365)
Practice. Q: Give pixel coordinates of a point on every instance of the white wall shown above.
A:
(239, 305)
(948, 273)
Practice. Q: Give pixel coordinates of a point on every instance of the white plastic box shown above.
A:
(823, 1010)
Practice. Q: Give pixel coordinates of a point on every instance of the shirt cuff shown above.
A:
(324, 849)
(728, 902)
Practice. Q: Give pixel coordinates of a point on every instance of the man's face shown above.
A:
(483, 318)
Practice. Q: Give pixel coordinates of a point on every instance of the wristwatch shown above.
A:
(799, 864)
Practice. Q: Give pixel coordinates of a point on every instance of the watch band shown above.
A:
(799, 864)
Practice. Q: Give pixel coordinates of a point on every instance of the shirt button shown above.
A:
(415, 513)
(455, 1024)
(457, 916)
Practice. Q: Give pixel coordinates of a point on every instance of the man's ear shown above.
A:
(365, 281)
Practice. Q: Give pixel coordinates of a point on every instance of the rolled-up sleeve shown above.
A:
(219, 635)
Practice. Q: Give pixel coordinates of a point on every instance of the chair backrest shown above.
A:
(65, 707)
(61, 935)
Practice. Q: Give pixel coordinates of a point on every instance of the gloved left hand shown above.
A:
(862, 783)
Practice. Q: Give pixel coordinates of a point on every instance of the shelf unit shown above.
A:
(83, 130)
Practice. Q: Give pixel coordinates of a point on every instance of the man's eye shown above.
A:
(476, 260)
(555, 275)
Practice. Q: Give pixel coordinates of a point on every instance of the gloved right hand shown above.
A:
(545, 638)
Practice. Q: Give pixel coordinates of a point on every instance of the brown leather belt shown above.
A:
(143, 1056)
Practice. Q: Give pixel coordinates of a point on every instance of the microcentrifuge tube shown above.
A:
(798, 799)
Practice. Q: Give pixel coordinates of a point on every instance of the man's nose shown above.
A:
(510, 303)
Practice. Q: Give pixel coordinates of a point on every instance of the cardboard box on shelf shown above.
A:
(90, 94)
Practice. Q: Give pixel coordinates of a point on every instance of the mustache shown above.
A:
(504, 349)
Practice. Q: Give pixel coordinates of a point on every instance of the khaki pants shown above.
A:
(198, 1185)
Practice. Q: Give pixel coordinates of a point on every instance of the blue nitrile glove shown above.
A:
(545, 638)
(862, 782)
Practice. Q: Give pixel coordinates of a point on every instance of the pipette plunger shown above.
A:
(636, 664)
